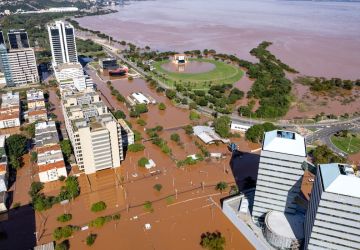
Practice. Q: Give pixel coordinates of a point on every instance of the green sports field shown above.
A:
(349, 144)
(223, 73)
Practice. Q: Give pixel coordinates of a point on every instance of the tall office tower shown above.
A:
(333, 216)
(2, 41)
(95, 134)
(62, 42)
(23, 67)
(5, 66)
(280, 173)
(18, 39)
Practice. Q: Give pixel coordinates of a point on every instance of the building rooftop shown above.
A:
(285, 142)
(34, 95)
(37, 112)
(64, 66)
(340, 179)
(9, 99)
(44, 149)
(287, 225)
(46, 133)
(208, 135)
(53, 165)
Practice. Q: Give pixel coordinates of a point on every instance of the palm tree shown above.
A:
(221, 186)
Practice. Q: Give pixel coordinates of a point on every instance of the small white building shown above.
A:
(239, 127)
(150, 164)
(37, 115)
(35, 99)
(140, 98)
(67, 71)
(50, 160)
(208, 135)
(10, 110)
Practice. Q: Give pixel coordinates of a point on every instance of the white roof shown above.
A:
(286, 225)
(207, 134)
(151, 164)
(285, 142)
(140, 98)
(337, 180)
(43, 125)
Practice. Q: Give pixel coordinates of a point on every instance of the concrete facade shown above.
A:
(62, 43)
(23, 66)
(93, 131)
(280, 173)
(333, 216)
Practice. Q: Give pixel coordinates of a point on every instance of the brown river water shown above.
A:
(316, 37)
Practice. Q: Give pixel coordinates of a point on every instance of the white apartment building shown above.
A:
(93, 131)
(62, 43)
(36, 106)
(50, 160)
(23, 67)
(333, 216)
(10, 110)
(68, 71)
(35, 98)
(280, 173)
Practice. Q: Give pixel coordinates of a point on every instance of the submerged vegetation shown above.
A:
(321, 84)
(271, 86)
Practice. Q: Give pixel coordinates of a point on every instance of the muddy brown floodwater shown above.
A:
(183, 199)
(305, 34)
(189, 67)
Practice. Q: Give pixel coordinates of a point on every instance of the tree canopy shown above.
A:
(323, 154)
(212, 241)
(256, 132)
(222, 126)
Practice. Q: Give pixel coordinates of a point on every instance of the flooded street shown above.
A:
(305, 34)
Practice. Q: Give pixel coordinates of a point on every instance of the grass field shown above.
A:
(349, 144)
(222, 74)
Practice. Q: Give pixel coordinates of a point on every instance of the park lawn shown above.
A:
(342, 143)
(222, 74)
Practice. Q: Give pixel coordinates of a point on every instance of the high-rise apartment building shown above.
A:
(62, 42)
(280, 173)
(5, 65)
(333, 215)
(95, 134)
(23, 67)
(18, 39)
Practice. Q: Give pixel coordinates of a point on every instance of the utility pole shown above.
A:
(176, 193)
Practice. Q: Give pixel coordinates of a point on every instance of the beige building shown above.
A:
(50, 160)
(93, 131)
(23, 66)
(10, 110)
(35, 98)
(36, 106)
